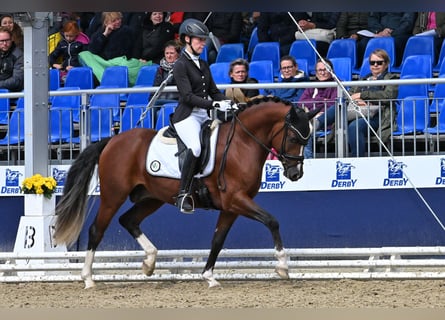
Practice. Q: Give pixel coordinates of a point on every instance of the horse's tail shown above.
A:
(72, 207)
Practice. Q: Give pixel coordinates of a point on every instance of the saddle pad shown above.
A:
(161, 159)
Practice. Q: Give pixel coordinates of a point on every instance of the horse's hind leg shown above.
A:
(131, 220)
(225, 222)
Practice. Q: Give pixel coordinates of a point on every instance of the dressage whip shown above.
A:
(358, 110)
(155, 97)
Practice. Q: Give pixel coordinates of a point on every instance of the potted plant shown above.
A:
(38, 192)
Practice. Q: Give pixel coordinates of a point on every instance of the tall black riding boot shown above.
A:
(184, 201)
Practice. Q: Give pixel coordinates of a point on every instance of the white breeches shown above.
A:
(189, 128)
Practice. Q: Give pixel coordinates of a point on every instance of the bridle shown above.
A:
(284, 157)
(281, 154)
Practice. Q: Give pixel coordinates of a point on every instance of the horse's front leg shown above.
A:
(225, 222)
(259, 214)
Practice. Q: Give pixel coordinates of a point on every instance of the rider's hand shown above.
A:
(223, 105)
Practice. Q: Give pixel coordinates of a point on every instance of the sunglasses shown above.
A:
(376, 62)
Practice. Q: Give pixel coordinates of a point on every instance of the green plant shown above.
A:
(37, 184)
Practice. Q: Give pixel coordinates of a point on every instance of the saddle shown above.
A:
(204, 137)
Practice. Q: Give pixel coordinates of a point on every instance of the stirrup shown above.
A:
(182, 202)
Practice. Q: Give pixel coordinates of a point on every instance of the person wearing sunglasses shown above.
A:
(11, 63)
(374, 102)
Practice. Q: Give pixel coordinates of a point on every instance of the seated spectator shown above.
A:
(7, 21)
(238, 73)
(113, 39)
(172, 50)
(112, 45)
(66, 54)
(349, 23)
(321, 20)
(427, 21)
(11, 63)
(398, 25)
(382, 95)
(289, 72)
(279, 27)
(225, 27)
(151, 39)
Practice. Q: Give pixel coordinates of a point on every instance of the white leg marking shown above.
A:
(208, 276)
(148, 265)
(87, 270)
(282, 267)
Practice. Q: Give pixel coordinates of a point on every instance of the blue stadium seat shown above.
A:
(439, 128)
(268, 51)
(229, 52)
(220, 72)
(108, 101)
(16, 130)
(303, 65)
(131, 115)
(438, 98)
(146, 75)
(440, 59)
(343, 48)
(81, 77)
(301, 49)
(417, 45)
(71, 102)
(342, 68)
(4, 108)
(261, 70)
(164, 115)
(116, 76)
(412, 115)
(253, 40)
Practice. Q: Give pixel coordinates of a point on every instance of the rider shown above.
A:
(196, 91)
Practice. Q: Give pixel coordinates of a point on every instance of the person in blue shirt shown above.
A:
(289, 72)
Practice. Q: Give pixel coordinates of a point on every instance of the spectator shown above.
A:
(67, 50)
(427, 21)
(11, 63)
(238, 73)
(289, 72)
(349, 23)
(225, 27)
(250, 21)
(279, 27)
(7, 21)
(172, 50)
(380, 96)
(398, 25)
(153, 36)
(112, 40)
(321, 20)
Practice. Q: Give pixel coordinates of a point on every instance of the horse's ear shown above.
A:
(313, 112)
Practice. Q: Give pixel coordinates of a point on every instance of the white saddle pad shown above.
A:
(161, 159)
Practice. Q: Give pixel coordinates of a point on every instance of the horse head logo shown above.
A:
(12, 178)
(343, 170)
(272, 172)
(395, 169)
(59, 176)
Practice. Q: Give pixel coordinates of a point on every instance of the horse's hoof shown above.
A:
(89, 283)
(213, 283)
(148, 269)
(282, 272)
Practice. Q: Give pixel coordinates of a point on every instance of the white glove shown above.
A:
(223, 105)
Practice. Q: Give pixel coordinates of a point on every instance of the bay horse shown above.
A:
(241, 151)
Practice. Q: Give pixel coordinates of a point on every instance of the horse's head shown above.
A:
(296, 132)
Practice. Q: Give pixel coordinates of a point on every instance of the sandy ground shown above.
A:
(232, 294)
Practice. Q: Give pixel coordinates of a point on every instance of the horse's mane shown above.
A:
(262, 99)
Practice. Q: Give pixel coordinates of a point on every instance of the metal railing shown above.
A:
(418, 142)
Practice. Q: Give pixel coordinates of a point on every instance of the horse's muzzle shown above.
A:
(294, 172)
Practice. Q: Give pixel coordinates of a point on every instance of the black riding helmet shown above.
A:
(193, 28)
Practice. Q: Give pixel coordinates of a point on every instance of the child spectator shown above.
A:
(66, 54)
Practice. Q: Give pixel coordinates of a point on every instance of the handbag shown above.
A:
(318, 34)
(369, 110)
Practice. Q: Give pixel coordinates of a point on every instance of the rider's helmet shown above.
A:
(193, 28)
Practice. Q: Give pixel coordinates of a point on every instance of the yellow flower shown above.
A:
(37, 184)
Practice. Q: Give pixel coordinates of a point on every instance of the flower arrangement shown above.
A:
(37, 184)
